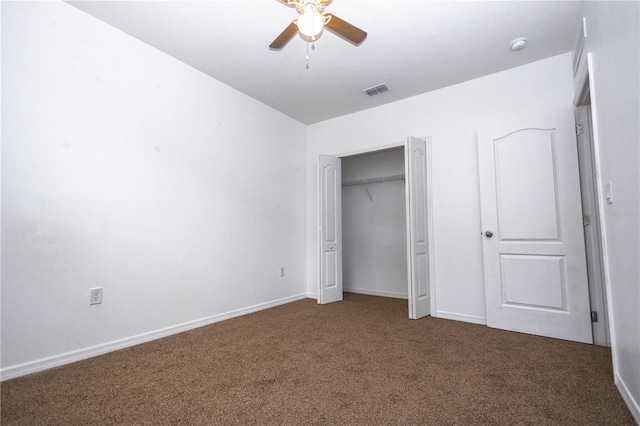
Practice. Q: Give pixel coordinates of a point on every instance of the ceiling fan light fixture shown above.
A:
(310, 23)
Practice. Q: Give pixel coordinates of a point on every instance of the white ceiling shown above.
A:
(413, 46)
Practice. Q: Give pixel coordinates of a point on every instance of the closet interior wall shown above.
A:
(374, 224)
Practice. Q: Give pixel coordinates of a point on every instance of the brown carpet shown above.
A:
(356, 362)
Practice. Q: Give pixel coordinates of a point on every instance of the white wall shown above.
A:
(126, 169)
(614, 40)
(451, 117)
(374, 236)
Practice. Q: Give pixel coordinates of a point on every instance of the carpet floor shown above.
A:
(361, 361)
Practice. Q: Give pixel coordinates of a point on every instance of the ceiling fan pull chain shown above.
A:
(307, 54)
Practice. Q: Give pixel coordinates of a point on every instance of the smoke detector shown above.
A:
(519, 44)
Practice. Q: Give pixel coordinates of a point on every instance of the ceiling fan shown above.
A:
(311, 22)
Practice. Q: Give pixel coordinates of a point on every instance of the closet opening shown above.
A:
(374, 224)
(388, 225)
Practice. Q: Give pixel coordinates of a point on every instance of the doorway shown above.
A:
(374, 224)
(591, 208)
(418, 225)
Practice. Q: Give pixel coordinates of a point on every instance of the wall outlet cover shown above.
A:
(95, 296)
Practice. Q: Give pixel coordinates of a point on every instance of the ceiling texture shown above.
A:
(412, 46)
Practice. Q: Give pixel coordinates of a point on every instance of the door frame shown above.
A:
(585, 95)
(431, 272)
(591, 225)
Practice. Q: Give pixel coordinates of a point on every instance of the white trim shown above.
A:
(581, 81)
(407, 210)
(375, 293)
(319, 226)
(312, 295)
(89, 352)
(371, 149)
(461, 317)
(430, 227)
(632, 404)
(601, 211)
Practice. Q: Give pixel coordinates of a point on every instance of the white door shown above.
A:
(417, 229)
(330, 229)
(534, 258)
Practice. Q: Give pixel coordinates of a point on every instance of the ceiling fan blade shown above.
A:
(345, 30)
(284, 38)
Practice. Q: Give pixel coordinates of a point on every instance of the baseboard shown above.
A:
(461, 317)
(376, 293)
(69, 357)
(367, 292)
(632, 404)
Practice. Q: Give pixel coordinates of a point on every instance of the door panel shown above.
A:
(533, 281)
(534, 261)
(330, 221)
(525, 169)
(417, 227)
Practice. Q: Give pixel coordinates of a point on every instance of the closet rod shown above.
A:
(374, 180)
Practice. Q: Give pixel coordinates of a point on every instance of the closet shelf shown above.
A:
(372, 180)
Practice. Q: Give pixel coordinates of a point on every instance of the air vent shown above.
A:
(376, 90)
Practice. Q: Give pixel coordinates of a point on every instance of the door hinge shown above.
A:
(594, 316)
(586, 221)
(579, 129)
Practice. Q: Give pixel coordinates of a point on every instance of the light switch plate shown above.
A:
(608, 192)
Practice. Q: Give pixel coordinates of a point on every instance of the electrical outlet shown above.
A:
(95, 296)
(282, 271)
